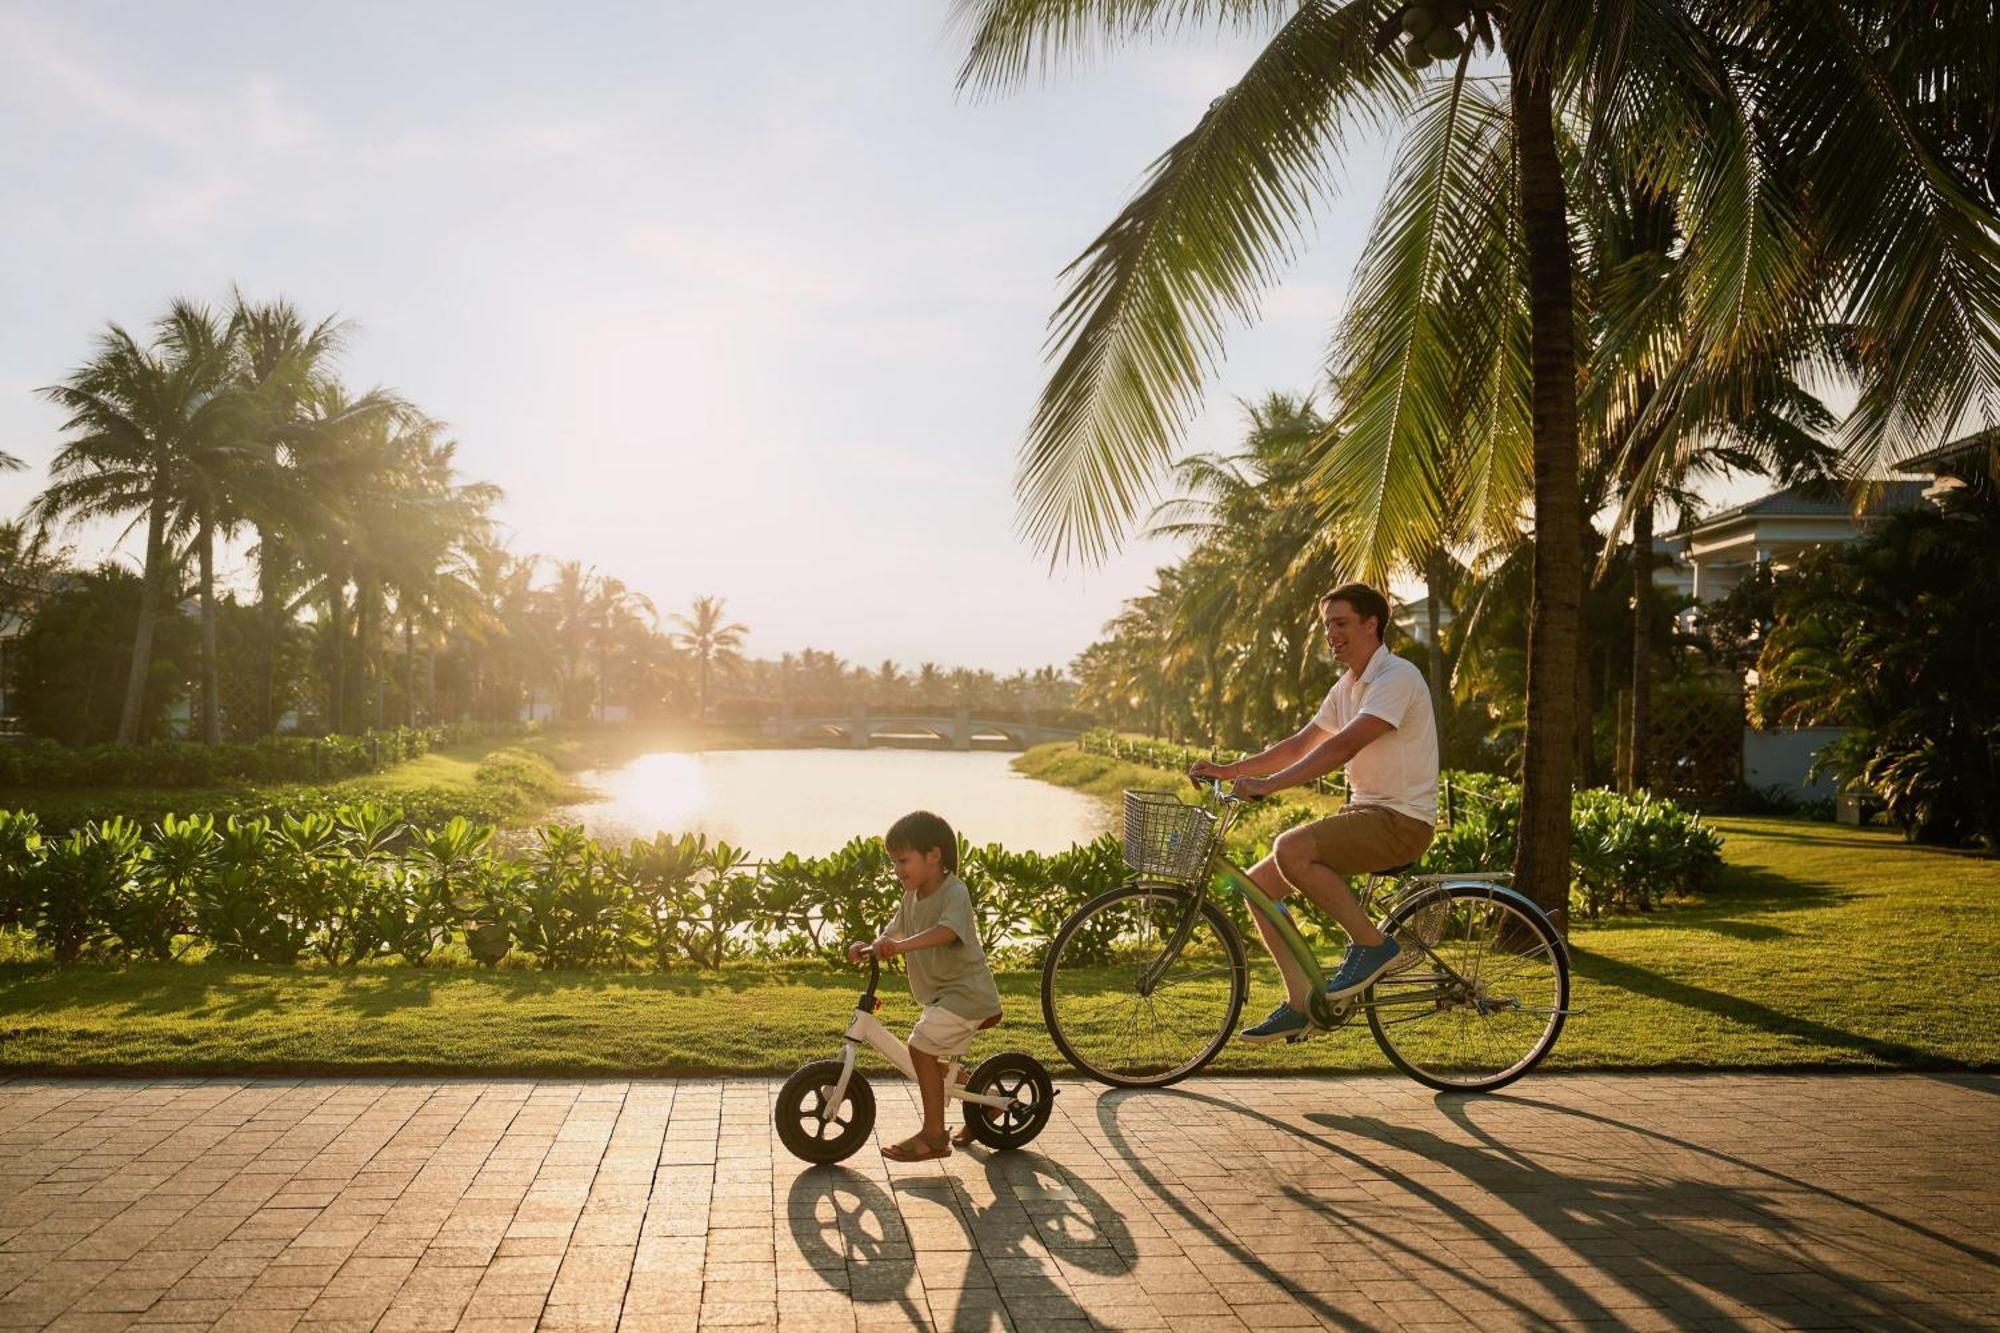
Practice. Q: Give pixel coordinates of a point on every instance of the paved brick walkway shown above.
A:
(1627, 1202)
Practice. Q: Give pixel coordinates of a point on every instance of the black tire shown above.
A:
(1529, 959)
(1018, 1075)
(797, 1114)
(1214, 940)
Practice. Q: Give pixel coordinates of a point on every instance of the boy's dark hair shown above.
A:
(921, 831)
(1366, 602)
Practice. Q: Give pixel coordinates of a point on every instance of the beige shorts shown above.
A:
(1364, 838)
(942, 1034)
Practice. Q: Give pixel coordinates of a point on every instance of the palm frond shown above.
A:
(1009, 40)
(1140, 325)
(1402, 379)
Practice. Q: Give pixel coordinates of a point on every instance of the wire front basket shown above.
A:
(1167, 837)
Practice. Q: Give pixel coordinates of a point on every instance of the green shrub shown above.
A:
(46, 763)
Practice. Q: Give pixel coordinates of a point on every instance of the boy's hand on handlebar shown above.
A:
(884, 949)
(858, 952)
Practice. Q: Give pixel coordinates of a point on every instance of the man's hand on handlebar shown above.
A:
(1209, 769)
(1252, 789)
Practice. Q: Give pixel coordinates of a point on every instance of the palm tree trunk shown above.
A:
(149, 612)
(267, 619)
(1433, 595)
(364, 651)
(1542, 860)
(211, 667)
(1638, 774)
(336, 681)
(409, 670)
(704, 687)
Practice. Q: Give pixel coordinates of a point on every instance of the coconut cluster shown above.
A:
(1435, 30)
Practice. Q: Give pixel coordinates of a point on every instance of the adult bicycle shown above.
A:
(1144, 984)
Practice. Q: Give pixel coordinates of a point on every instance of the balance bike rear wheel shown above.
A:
(812, 1133)
(1021, 1077)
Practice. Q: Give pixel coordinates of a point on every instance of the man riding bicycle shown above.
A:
(1376, 722)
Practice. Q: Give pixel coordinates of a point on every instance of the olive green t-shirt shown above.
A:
(952, 976)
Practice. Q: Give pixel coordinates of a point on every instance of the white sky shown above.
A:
(734, 300)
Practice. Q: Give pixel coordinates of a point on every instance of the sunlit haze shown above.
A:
(731, 300)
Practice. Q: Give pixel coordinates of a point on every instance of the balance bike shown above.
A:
(826, 1110)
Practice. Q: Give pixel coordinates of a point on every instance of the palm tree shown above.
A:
(1759, 108)
(141, 417)
(716, 644)
(618, 615)
(288, 363)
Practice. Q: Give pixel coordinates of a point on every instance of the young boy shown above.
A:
(948, 973)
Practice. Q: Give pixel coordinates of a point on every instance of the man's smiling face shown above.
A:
(1346, 631)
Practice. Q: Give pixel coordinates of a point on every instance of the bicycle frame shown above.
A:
(1325, 1013)
(866, 1027)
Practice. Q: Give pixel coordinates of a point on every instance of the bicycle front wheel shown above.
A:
(1126, 1006)
(1486, 998)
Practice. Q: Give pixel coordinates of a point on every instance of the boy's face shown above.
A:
(917, 870)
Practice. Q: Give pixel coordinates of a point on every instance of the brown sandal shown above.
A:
(915, 1149)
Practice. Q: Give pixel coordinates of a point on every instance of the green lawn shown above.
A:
(1826, 946)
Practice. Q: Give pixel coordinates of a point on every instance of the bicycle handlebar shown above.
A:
(1216, 787)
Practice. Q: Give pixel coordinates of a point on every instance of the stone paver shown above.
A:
(1638, 1202)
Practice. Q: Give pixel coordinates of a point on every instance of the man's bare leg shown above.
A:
(1266, 876)
(1325, 886)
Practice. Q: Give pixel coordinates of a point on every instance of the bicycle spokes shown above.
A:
(1486, 997)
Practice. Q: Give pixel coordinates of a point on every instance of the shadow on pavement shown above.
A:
(1016, 1239)
(1611, 1234)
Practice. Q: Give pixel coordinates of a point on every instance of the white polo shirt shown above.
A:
(1399, 768)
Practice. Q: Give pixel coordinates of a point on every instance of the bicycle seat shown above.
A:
(992, 1022)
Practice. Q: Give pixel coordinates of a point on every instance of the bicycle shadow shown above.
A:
(1592, 1225)
(866, 1238)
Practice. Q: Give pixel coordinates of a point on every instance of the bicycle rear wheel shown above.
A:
(1487, 1001)
(1107, 1019)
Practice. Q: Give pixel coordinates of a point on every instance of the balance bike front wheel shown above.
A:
(813, 1131)
(1021, 1078)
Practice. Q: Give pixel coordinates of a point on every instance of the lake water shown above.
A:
(813, 801)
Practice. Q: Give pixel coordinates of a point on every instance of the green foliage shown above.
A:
(81, 885)
(1627, 853)
(75, 656)
(1898, 637)
(270, 759)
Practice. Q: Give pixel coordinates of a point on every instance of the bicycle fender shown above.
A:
(1506, 892)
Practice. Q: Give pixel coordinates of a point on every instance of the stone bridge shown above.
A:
(862, 729)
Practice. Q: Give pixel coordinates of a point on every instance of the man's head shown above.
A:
(1357, 622)
(923, 849)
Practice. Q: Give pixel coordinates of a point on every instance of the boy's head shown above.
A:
(923, 849)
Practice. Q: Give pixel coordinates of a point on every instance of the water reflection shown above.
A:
(812, 801)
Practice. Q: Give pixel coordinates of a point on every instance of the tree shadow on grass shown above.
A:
(1853, 839)
(1605, 971)
(1740, 907)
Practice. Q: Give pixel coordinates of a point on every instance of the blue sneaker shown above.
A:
(1284, 1021)
(1361, 965)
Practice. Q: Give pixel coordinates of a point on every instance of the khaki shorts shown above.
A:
(941, 1033)
(1364, 838)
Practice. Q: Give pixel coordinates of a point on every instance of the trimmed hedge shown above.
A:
(45, 763)
(360, 883)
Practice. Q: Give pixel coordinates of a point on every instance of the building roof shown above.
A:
(1979, 447)
(1812, 501)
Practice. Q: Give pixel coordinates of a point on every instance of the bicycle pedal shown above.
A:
(1295, 1038)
